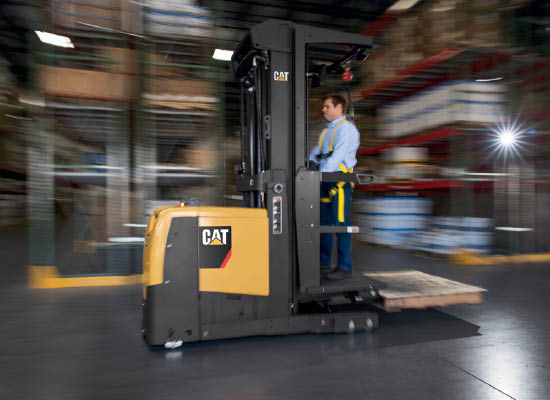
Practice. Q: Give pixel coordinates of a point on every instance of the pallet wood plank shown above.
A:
(415, 289)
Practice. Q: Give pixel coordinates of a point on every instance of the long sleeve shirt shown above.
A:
(346, 143)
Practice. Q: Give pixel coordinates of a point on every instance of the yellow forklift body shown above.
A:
(233, 248)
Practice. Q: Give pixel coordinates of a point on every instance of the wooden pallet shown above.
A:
(415, 289)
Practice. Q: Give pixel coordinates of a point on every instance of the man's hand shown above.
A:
(313, 166)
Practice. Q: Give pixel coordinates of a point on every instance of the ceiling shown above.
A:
(231, 19)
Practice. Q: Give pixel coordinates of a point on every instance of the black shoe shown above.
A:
(339, 274)
(326, 269)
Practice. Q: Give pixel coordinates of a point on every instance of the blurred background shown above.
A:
(110, 108)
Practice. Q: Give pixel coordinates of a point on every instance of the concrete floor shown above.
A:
(86, 344)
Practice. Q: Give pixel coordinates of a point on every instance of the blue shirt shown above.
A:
(346, 143)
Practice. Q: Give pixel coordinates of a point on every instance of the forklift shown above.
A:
(225, 272)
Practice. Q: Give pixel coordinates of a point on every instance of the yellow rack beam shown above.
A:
(470, 258)
(47, 277)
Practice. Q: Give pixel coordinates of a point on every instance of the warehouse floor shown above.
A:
(86, 344)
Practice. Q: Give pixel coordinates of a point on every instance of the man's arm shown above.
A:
(314, 153)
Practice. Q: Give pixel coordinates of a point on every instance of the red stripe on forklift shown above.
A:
(227, 257)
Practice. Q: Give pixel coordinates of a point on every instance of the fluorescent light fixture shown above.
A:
(135, 225)
(233, 197)
(513, 229)
(32, 101)
(17, 117)
(442, 9)
(486, 174)
(56, 40)
(224, 55)
(489, 80)
(125, 239)
(402, 5)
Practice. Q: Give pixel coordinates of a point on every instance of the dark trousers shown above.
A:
(335, 210)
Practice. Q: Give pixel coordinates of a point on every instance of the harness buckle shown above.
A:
(323, 156)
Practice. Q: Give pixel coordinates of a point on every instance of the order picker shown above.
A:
(223, 272)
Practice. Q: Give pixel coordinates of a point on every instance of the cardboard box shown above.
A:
(178, 87)
(104, 14)
(199, 158)
(154, 66)
(443, 23)
(124, 60)
(73, 82)
(181, 94)
(485, 29)
(405, 35)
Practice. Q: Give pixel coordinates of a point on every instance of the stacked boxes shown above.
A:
(444, 22)
(404, 163)
(390, 220)
(484, 27)
(406, 222)
(406, 41)
(74, 82)
(447, 234)
(438, 24)
(177, 18)
(181, 94)
(443, 104)
(81, 14)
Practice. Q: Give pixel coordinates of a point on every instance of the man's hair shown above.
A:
(336, 99)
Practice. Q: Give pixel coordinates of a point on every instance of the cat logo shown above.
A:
(280, 76)
(215, 248)
(214, 236)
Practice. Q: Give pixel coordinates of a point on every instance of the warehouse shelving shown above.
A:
(12, 170)
(13, 191)
(436, 184)
(420, 138)
(454, 193)
(431, 70)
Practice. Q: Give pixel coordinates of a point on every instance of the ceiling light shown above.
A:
(513, 229)
(489, 80)
(402, 5)
(56, 40)
(224, 55)
(32, 101)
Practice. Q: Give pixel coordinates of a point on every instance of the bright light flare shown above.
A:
(507, 138)
(56, 40)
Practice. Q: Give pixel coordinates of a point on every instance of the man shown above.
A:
(335, 152)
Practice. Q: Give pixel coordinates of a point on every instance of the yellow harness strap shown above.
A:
(345, 170)
(340, 188)
(322, 137)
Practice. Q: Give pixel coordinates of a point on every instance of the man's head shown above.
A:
(334, 106)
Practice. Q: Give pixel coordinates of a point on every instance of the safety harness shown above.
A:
(339, 188)
(322, 156)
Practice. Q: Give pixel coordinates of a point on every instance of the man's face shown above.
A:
(330, 112)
